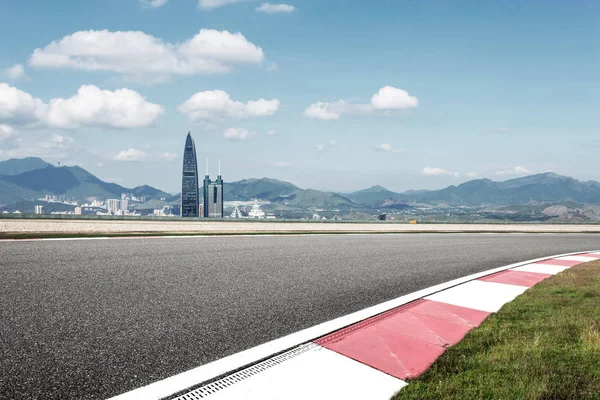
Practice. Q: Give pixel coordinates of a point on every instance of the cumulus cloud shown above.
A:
(18, 106)
(137, 54)
(472, 175)
(130, 155)
(390, 98)
(429, 171)
(5, 131)
(91, 106)
(216, 104)
(386, 147)
(45, 146)
(517, 170)
(387, 99)
(238, 134)
(15, 72)
(323, 147)
(272, 67)
(153, 3)
(271, 132)
(269, 8)
(210, 4)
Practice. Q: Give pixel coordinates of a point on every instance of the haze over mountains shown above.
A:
(31, 178)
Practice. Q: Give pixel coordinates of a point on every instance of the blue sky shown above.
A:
(464, 89)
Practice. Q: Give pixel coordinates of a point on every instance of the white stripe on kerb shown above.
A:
(479, 295)
(578, 258)
(541, 268)
(316, 374)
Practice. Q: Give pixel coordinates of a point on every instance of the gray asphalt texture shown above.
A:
(93, 319)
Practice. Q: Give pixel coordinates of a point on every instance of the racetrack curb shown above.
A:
(376, 348)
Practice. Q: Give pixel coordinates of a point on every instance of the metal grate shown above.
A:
(204, 391)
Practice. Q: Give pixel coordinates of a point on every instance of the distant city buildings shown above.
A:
(77, 211)
(124, 202)
(113, 206)
(39, 209)
(189, 180)
(213, 195)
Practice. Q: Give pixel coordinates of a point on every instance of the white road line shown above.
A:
(196, 376)
(541, 268)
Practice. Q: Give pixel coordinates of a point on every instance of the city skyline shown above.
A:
(447, 92)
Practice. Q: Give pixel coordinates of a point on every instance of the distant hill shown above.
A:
(283, 193)
(30, 178)
(376, 196)
(72, 182)
(16, 166)
(547, 188)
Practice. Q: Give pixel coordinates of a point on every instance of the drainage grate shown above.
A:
(223, 383)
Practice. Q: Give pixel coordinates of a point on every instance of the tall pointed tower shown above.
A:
(189, 181)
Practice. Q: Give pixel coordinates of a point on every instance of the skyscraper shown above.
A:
(189, 181)
(213, 195)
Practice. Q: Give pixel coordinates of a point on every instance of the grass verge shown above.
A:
(543, 345)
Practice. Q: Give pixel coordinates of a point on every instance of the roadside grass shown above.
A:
(543, 345)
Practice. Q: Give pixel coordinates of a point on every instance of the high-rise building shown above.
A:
(189, 180)
(39, 209)
(77, 211)
(213, 195)
(112, 206)
(124, 202)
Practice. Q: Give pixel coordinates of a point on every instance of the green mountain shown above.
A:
(16, 166)
(71, 182)
(283, 194)
(375, 196)
(20, 180)
(547, 187)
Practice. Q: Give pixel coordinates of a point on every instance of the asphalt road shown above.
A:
(93, 319)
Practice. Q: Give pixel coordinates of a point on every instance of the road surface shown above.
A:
(92, 319)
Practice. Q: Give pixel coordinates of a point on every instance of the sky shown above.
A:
(333, 95)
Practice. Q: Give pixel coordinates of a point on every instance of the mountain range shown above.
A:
(28, 179)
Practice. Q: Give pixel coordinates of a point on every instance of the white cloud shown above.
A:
(428, 171)
(6, 131)
(130, 155)
(272, 67)
(390, 98)
(153, 3)
(210, 4)
(91, 106)
(281, 164)
(18, 106)
(322, 147)
(502, 130)
(238, 134)
(138, 55)
(269, 8)
(168, 156)
(15, 72)
(472, 175)
(386, 147)
(386, 99)
(271, 132)
(517, 170)
(216, 104)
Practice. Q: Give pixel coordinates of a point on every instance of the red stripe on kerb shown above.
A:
(519, 278)
(407, 340)
(564, 263)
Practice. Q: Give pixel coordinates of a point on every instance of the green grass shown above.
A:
(543, 345)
